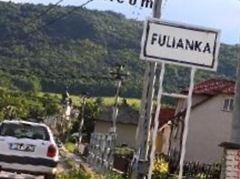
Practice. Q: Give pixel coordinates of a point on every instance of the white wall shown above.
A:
(209, 126)
(182, 103)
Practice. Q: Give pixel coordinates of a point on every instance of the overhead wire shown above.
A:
(38, 16)
(40, 28)
(61, 16)
(57, 19)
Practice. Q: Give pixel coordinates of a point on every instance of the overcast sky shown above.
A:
(220, 14)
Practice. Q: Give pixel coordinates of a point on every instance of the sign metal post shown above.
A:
(177, 44)
(143, 130)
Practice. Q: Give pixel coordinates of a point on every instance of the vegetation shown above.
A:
(43, 52)
(74, 174)
(80, 174)
(134, 102)
(91, 111)
(71, 147)
(113, 175)
(124, 151)
(27, 105)
(160, 168)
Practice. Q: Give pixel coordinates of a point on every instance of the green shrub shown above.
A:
(71, 147)
(124, 151)
(114, 175)
(74, 174)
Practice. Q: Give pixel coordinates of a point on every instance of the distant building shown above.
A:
(127, 122)
(210, 121)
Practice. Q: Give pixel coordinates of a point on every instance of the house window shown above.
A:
(228, 104)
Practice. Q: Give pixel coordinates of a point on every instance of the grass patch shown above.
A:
(107, 101)
(134, 102)
(113, 175)
(70, 163)
(74, 174)
(124, 151)
(71, 147)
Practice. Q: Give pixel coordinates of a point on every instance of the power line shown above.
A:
(39, 29)
(42, 13)
(60, 17)
(38, 16)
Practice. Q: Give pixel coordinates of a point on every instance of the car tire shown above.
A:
(50, 176)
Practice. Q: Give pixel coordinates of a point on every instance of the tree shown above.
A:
(91, 113)
(26, 105)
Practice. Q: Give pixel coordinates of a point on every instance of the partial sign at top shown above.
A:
(140, 3)
(180, 44)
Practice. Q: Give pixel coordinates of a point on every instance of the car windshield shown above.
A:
(24, 131)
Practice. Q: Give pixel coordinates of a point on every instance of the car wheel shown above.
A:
(50, 176)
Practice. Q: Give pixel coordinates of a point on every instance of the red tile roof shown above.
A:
(214, 86)
(166, 114)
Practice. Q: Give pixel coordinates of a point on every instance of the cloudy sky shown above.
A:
(220, 14)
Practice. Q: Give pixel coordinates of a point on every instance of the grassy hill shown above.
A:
(46, 48)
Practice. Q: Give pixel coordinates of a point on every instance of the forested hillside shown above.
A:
(46, 48)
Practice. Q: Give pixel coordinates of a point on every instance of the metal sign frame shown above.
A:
(149, 80)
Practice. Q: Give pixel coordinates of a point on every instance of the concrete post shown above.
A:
(235, 137)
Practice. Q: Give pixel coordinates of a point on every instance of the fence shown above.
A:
(208, 171)
(198, 170)
(101, 149)
(192, 170)
(122, 164)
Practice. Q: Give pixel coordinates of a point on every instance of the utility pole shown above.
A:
(143, 131)
(235, 137)
(118, 75)
(66, 110)
(80, 133)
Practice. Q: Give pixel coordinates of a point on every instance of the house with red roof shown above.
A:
(210, 122)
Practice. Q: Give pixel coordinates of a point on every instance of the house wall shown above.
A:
(209, 126)
(125, 132)
(182, 103)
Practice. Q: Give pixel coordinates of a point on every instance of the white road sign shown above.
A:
(180, 44)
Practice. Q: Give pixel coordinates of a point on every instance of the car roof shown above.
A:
(24, 122)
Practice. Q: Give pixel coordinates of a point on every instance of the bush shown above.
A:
(160, 166)
(124, 152)
(113, 175)
(74, 174)
(71, 147)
